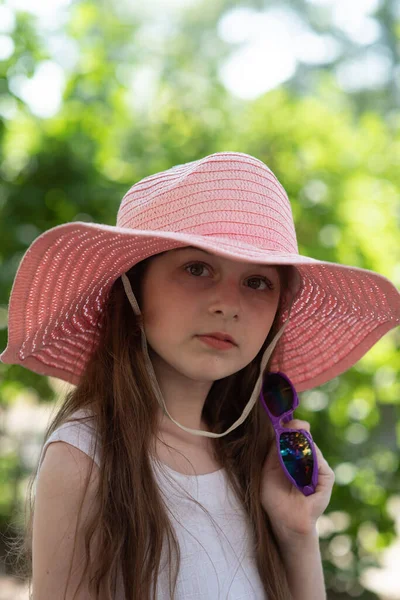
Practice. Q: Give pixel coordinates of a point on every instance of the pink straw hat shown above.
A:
(228, 203)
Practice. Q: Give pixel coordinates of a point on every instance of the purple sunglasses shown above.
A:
(296, 448)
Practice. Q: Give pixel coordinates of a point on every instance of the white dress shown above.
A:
(217, 560)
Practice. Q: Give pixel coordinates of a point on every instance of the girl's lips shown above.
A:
(216, 343)
(221, 335)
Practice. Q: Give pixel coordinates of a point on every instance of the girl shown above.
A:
(166, 481)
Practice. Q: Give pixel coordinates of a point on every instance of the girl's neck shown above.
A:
(173, 432)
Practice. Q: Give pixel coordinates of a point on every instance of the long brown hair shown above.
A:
(117, 389)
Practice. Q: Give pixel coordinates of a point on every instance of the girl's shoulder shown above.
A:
(79, 431)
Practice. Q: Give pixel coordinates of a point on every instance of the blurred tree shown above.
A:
(141, 97)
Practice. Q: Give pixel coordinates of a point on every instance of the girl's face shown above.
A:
(188, 292)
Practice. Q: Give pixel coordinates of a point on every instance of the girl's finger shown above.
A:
(298, 424)
(322, 462)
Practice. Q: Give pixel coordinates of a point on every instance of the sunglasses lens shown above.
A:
(278, 394)
(297, 456)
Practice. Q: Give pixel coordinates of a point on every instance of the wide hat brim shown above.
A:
(64, 278)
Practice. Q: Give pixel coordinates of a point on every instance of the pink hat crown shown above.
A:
(240, 200)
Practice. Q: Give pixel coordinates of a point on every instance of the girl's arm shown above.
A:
(59, 492)
(294, 518)
(303, 565)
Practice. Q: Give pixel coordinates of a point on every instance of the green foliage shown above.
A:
(337, 160)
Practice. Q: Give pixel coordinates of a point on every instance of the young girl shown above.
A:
(166, 481)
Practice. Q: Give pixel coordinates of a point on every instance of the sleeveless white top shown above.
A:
(217, 560)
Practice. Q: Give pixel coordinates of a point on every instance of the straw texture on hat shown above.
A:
(228, 203)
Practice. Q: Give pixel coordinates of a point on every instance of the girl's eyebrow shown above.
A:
(251, 265)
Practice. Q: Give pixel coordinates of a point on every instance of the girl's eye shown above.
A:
(267, 282)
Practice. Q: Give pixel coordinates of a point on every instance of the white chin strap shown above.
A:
(257, 388)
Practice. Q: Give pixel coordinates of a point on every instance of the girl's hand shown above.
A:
(293, 516)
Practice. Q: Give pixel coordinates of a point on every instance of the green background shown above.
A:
(335, 150)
